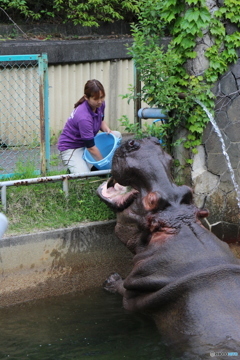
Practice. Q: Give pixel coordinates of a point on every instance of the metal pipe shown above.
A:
(65, 186)
(151, 113)
(53, 178)
(4, 197)
(46, 109)
(42, 117)
(3, 224)
(64, 178)
(137, 94)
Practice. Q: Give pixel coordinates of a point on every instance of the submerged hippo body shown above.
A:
(183, 276)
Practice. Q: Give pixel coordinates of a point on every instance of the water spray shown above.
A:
(217, 130)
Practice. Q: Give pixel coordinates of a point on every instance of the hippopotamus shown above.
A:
(183, 276)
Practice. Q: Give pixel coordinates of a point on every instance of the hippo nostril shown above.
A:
(186, 196)
(132, 145)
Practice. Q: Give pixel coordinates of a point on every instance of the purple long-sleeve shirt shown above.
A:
(82, 125)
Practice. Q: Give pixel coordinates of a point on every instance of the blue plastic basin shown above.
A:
(107, 144)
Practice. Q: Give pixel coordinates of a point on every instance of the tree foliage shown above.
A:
(83, 12)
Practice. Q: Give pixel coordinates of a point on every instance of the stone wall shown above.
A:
(215, 182)
(213, 179)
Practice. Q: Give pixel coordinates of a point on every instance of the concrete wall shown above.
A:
(70, 51)
(61, 261)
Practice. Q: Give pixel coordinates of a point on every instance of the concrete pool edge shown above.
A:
(55, 262)
(60, 261)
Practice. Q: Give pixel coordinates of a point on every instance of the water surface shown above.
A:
(92, 325)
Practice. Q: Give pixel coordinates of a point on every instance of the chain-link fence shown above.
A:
(24, 119)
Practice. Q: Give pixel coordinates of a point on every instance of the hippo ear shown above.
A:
(160, 237)
(202, 213)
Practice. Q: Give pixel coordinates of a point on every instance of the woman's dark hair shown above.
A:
(92, 88)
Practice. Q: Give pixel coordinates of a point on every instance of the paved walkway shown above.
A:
(13, 158)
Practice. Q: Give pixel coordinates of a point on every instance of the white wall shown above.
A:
(66, 85)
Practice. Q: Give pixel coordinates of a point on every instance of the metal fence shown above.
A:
(24, 114)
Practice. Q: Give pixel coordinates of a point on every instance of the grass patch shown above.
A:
(44, 206)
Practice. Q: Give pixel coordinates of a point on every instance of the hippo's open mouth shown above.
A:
(135, 174)
(117, 196)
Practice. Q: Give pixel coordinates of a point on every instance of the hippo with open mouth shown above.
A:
(183, 276)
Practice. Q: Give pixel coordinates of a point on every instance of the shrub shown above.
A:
(86, 12)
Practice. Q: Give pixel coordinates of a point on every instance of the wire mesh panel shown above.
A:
(23, 114)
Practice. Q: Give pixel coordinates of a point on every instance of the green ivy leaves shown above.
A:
(195, 16)
(230, 10)
(163, 72)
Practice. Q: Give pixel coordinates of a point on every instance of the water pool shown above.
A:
(89, 325)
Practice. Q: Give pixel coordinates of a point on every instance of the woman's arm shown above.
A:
(104, 127)
(94, 151)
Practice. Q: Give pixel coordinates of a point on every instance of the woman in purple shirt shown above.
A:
(82, 126)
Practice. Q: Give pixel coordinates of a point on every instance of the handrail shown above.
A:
(46, 179)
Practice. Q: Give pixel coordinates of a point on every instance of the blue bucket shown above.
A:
(107, 144)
